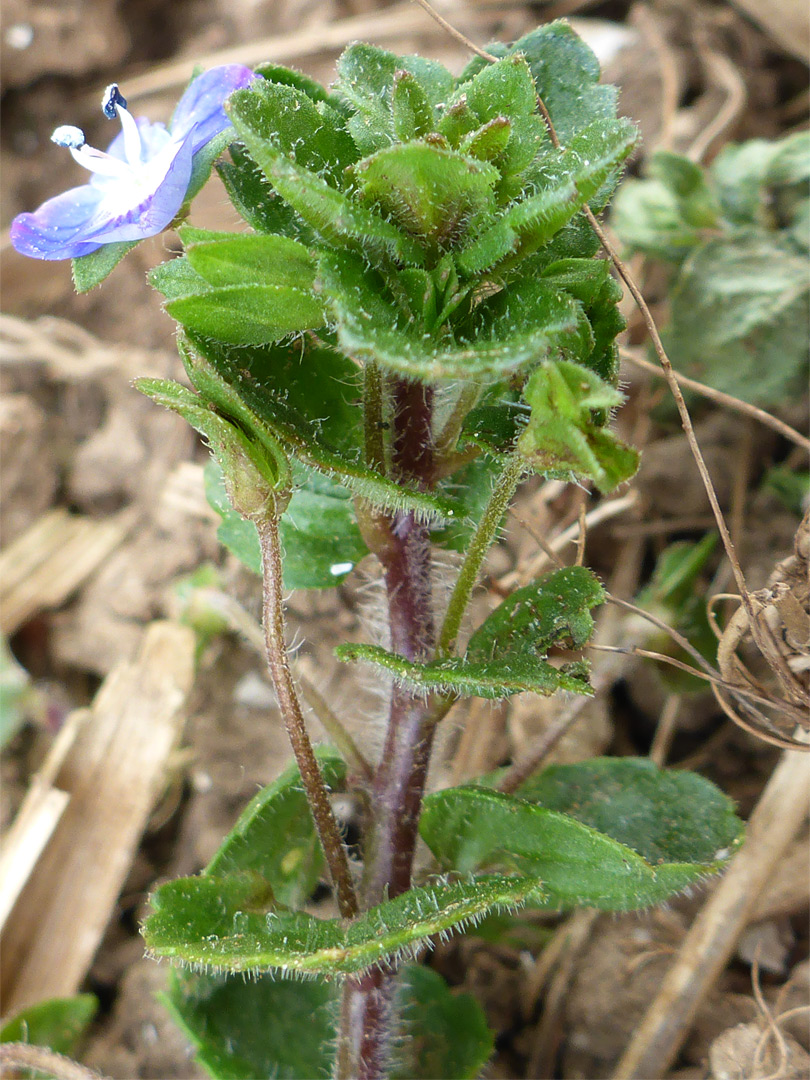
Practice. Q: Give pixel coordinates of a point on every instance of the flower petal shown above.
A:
(200, 108)
(58, 229)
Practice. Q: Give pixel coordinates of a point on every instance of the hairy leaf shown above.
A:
(256, 200)
(307, 400)
(328, 211)
(246, 258)
(568, 180)
(506, 654)
(275, 838)
(434, 194)
(90, 270)
(664, 832)
(254, 465)
(232, 923)
(504, 332)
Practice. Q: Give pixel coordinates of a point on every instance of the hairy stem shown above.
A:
(480, 544)
(373, 417)
(396, 795)
(279, 665)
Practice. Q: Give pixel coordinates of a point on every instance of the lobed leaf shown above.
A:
(507, 653)
(564, 435)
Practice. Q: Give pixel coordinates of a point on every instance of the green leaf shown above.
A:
(739, 318)
(647, 217)
(201, 166)
(243, 289)
(248, 314)
(607, 833)
(319, 533)
(472, 486)
(224, 259)
(503, 90)
(90, 270)
(566, 76)
(665, 815)
(58, 1023)
(506, 654)
(310, 133)
(791, 487)
(256, 201)
(366, 79)
(442, 1034)
(255, 467)
(411, 112)
(242, 1030)
(307, 399)
(504, 332)
(276, 73)
(437, 195)
(275, 838)
(666, 215)
(231, 923)
(564, 436)
(757, 181)
(328, 211)
(17, 693)
(569, 179)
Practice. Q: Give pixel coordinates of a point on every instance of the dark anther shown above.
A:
(112, 97)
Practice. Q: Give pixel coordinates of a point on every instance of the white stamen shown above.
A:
(96, 161)
(132, 137)
(112, 104)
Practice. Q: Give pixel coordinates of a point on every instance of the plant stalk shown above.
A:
(279, 665)
(476, 553)
(396, 795)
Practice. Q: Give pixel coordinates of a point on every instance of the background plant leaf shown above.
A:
(243, 1030)
(58, 1023)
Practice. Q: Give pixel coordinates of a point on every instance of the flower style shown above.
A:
(137, 186)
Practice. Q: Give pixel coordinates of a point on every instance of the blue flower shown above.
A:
(139, 185)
